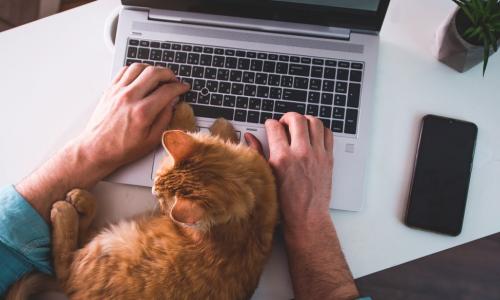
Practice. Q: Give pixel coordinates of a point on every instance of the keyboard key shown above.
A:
(191, 96)
(325, 112)
(281, 68)
(237, 89)
(229, 52)
(185, 70)
(168, 56)
(223, 74)
(305, 60)
(264, 116)
(339, 100)
(180, 57)
(262, 56)
(328, 85)
(313, 97)
(275, 93)
(267, 105)
(263, 91)
(284, 58)
(341, 87)
(353, 96)
(254, 103)
(351, 119)
(213, 112)
(240, 115)
(174, 68)
(317, 72)
(198, 84)
(216, 99)
(236, 75)
(338, 113)
(318, 61)
(312, 110)
(327, 98)
(355, 76)
(212, 85)
(337, 126)
(243, 63)
(294, 95)
(197, 49)
(344, 64)
(131, 61)
(284, 107)
(165, 45)
(209, 50)
(248, 77)
(331, 63)
(198, 72)
(299, 70)
(301, 83)
(155, 45)
(133, 42)
(286, 81)
(253, 116)
(203, 98)
(251, 54)
(261, 78)
(256, 65)
(358, 66)
(155, 55)
(273, 57)
(330, 73)
(229, 100)
(210, 73)
(132, 52)
(277, 116)
(295, 59)
(188, 80)
(315, 84)
(250, 90)
(148, 62)
(269, 66)
(160, 64)
(193, 58)
(218, 61)
(219, 51)
(326, 122)
(274, 79)
(231, 62)
(224, 87)
(242, 102)
(176, 47)
(206, 60)
(342, 74)
(144, 43)
(240, 53)
(143, 53)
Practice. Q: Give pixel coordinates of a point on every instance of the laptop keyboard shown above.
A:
(253, 86)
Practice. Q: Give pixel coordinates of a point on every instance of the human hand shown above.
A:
(131, 116)
(301, 155)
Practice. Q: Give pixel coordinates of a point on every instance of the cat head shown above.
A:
(205, 181)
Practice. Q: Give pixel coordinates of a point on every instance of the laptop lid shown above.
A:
(366, 15)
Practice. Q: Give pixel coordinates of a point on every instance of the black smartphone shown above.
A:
(441, 175)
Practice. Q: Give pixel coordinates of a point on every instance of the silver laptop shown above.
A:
(248, 61)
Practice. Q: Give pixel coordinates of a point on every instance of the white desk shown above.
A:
(53, 71)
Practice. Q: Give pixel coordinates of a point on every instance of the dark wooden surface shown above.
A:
(18, 12)
(470, 271)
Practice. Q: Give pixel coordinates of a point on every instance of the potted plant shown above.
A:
(470, 34)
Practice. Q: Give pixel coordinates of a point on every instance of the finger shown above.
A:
(132, 73)
(254, 143)
(149, 80)
(328, 140)
(167, 95)
(276, 136)
(161, 124)
(119, 75)
(316, 132)
(299, 131)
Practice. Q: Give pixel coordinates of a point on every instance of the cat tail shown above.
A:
(32, 284)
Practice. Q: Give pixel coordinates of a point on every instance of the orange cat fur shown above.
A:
(210, 239)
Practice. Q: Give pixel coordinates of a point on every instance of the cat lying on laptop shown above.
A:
(209, 240)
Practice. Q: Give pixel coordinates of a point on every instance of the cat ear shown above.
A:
(186, 211)
(178, 144)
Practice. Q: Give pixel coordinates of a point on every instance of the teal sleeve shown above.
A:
(24, 239)
(365, 298)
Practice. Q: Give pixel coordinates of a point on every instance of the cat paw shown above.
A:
(83, 202)
(63, 214)
(183, 118)
(225, 130)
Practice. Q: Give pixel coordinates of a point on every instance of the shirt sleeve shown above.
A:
(24, 239)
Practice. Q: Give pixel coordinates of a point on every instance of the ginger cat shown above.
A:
(209, 240)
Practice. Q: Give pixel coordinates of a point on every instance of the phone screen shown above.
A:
(441, 177)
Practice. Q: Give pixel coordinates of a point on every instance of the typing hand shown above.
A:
(132, 114)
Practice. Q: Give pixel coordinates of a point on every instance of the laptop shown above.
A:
(249, 61)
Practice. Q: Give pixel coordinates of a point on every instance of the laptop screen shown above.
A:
(354, 14)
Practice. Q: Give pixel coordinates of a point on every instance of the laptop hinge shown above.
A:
(250, 24)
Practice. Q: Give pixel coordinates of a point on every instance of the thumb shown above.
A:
(254, 143)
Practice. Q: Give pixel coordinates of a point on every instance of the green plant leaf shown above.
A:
(486, 57)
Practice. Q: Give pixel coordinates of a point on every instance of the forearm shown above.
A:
(317, 265)
(71, 167)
